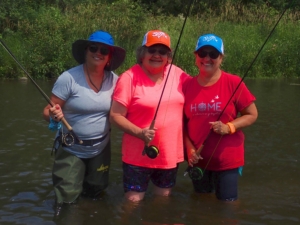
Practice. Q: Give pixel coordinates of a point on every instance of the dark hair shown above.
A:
(141, 51)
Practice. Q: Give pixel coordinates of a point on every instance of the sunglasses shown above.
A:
(103, 50)
(211, 54)
(161, 51)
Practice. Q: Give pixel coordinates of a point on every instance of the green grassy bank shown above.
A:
(42, 42)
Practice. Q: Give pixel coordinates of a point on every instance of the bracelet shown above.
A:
(231, 127)
(53, 125)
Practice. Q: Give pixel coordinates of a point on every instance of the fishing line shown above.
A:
(72, 134)
(152, 151)
(190, 169)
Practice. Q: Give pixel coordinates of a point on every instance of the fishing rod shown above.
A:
(196, 172)
(68, 138)
(152, 151)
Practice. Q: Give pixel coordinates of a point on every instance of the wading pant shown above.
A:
(73, 176)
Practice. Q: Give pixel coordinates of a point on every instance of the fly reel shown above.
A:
(68, 139)
(151, 151)
(195, 173)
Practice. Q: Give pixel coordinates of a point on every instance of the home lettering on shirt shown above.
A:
(210, 108)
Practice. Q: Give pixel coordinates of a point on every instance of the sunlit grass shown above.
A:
(44, 44)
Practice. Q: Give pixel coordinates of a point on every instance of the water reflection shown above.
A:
(268, 190)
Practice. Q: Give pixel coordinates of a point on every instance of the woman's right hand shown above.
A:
(147, 134)
(56, 113)
(193, 157)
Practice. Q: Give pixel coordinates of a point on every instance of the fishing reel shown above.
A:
(151, 151)
(195, 173)
(68, 139)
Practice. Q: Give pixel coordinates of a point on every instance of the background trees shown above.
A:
(40, 32)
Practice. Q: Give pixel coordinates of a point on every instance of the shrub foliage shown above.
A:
(40, 32)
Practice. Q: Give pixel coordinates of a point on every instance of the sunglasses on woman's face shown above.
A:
(212, 54)
(103, 50)
(161, 51)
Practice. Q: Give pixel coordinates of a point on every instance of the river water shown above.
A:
(269, 189)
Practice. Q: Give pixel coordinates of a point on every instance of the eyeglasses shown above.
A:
(211, 54)
(95, 48)
(161, 51)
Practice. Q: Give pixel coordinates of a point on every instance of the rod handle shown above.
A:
(148, 143)
(151, 128)
(198, 151)
(152, 125)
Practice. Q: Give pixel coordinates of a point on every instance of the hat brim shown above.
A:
(157, 43)
(117, 57)
(208, 46)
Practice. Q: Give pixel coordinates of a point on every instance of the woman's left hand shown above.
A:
(219, 127)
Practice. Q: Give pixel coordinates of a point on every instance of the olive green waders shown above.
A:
(73, 176)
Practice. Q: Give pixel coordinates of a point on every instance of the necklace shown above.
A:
(97, 89)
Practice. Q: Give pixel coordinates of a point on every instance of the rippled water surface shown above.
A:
(269, 190)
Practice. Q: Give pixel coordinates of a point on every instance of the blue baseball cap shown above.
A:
(210, 40)
(100, 36)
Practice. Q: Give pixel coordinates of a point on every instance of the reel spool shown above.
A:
(151, 151)
(68, 139)
(195, 173)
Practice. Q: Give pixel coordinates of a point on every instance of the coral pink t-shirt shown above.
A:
(204, 105)
(140, 96)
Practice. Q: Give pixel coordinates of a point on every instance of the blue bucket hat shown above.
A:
(210, 40)
(100, 36)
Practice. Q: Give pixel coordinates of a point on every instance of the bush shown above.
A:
(42, 39)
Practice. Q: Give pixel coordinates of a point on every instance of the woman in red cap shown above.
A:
(135, 102)
(218, 105)
(82, 95)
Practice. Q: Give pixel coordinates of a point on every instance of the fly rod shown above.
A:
(63, 120)
(197, 171)
(152, 151)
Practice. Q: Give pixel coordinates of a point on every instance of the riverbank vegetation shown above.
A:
(40, 33)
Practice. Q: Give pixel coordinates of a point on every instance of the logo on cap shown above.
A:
(159, 34)
(210, 38)
(156, 37)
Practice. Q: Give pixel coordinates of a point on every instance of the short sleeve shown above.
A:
(63, 86)
(124, 89)
(243, 97)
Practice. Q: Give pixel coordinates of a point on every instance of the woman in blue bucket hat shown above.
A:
(82, 95)
(218, 105)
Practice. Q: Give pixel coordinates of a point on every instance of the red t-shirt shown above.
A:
(204, 105)
(140, 96)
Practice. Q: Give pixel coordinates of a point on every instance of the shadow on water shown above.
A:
(268, 190)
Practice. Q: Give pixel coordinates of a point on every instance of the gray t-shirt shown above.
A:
(85, 110)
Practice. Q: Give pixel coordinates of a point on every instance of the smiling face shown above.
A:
(98, 54)
(208, 60)
(156, 58)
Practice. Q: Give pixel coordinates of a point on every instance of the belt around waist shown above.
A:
(90, 142)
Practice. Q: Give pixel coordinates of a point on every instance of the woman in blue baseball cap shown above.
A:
(218, 105)
(82, 95)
